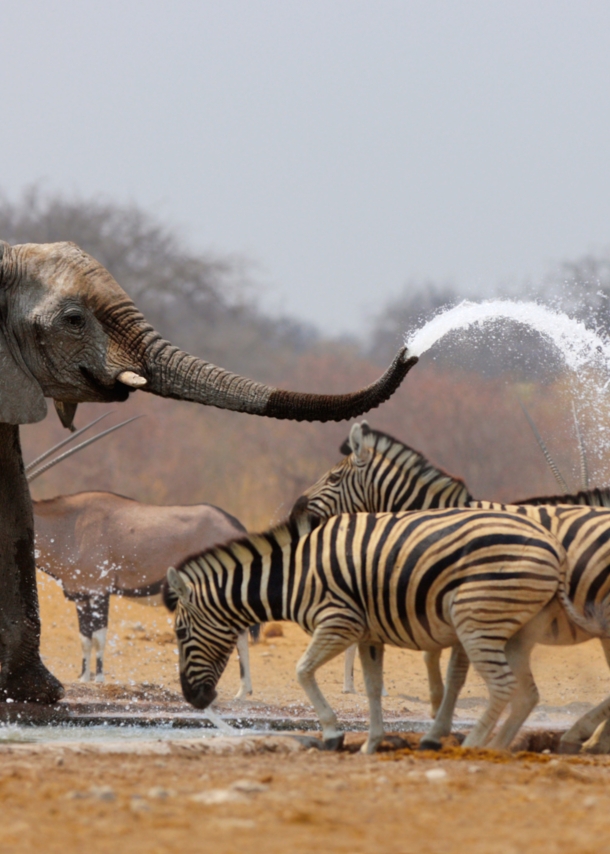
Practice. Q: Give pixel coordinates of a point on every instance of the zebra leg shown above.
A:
(349, 686)
(83, 611)
(572, 740)
(432, 659)
(456, 676)
(525, 698)
(491, 664)
(243, 653)
(326, 643)
(371, 657)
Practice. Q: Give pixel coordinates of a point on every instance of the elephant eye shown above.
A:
(75, 319)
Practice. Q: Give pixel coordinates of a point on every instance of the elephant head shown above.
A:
(68, 331)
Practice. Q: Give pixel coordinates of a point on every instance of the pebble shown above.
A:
(138, 804)
(103, 793)
(436, 775)
(159, 793)
(217, 796)
(249, 787)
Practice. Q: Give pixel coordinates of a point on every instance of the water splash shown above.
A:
(579, 346)
(585, 353)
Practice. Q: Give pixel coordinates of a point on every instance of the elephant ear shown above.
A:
(21, 397)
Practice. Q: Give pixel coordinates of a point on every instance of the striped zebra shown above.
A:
(380, 473)
(423, 580)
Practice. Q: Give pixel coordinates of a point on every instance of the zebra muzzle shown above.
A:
(199, 696)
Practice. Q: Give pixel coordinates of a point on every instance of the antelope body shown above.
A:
(99, 543)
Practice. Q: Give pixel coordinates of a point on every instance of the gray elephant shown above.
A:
(69, 332)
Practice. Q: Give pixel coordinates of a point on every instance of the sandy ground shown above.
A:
(278, 796)
(61, 801)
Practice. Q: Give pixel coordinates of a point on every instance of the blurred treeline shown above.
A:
(460, 406)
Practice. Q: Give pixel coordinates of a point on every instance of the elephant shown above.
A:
(69, 332)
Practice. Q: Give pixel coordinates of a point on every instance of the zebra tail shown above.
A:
(594, 621)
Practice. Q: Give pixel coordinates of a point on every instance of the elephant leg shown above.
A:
(23, 677)
(99, 624)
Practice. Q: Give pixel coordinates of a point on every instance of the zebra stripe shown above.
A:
(424, 580)
(578, 521)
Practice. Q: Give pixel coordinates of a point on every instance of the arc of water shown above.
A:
(585, 353)
(578, 345)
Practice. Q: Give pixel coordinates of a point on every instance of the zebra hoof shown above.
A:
(428, 743)
(335, 743)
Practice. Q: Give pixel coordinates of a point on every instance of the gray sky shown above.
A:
(346, 147)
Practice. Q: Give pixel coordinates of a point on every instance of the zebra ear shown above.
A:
(357, 441)
(177, 585)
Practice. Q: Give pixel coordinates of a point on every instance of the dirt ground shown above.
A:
(275, 795)
(141, 648)
(275, 803)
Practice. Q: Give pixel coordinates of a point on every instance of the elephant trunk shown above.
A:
(172, 373)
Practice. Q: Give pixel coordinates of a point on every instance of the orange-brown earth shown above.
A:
(276, 796)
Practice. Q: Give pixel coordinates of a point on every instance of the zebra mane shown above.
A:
(406, 457)
(590, 497)
(264, 543)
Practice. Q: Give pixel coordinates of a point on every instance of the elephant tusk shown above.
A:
(132, 379)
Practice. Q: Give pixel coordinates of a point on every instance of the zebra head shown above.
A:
(380, 475)
(204, 642)
(346, 488)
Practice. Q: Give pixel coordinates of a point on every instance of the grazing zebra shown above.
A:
(423, 580)
(382, 473)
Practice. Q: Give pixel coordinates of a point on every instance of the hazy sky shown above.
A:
(346, 147)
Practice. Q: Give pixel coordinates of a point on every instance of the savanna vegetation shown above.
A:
(459, 406)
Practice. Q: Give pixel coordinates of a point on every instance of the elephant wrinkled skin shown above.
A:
(69, 332)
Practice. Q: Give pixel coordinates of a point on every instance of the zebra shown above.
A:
(381, 473)
(424, 580)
